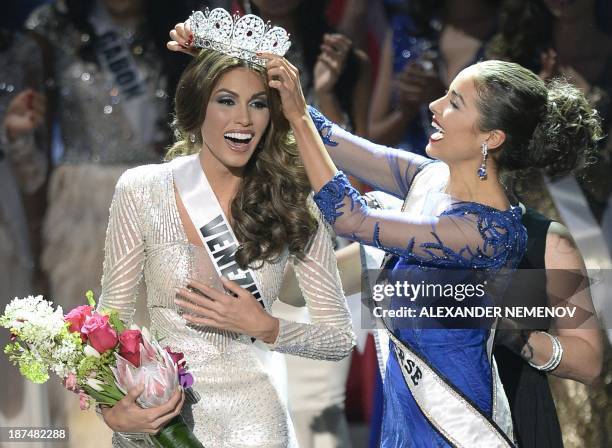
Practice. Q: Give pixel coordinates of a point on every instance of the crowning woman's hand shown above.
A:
(284, 77)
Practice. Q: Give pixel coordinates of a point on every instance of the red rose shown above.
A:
(129, 346)
(101, 335)
(77, 318)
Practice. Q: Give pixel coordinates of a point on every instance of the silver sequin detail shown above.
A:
(239, 406)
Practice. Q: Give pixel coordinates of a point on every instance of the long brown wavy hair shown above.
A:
(269, 210)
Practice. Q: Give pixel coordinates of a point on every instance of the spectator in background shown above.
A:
(110, 89)
(110, 86)
(335, 76)
(427, 44)
(567, 39)
(23, 166)
(570, 39)
(552, 274)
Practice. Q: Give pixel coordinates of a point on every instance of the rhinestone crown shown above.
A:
(241, 37)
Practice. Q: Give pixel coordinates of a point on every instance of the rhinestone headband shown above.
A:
(241, 37)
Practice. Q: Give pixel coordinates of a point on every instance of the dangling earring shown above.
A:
(482, 171)
(192, 138)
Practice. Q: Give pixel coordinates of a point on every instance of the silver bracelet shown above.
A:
(555, 359)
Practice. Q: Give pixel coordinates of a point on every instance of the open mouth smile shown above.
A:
(439, 134)
(238, 141)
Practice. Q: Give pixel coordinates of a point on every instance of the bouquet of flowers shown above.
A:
(97, 357)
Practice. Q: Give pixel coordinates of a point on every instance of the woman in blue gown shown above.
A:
(457, 226)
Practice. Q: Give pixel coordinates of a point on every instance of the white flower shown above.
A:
(33, 319)
(95, 384)
(43, 331)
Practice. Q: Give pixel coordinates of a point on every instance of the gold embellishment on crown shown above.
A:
(241, 37)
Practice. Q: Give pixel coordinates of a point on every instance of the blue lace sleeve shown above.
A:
(323, 125)
(468, 235)
(331, 198)
(386, 169)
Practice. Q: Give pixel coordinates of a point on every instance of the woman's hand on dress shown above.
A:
(24, 114)
(331, 61)
(239, 312)
(284, 77)
(182, 39)
(128, 416)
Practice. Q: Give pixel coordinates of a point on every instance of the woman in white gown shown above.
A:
(236, 143)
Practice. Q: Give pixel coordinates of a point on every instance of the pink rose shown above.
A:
(77, 318)
(129, 346)
(84, 401)
(70, 382)
(101, 335)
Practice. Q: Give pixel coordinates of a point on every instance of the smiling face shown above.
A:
(456, 117)
(237, 116)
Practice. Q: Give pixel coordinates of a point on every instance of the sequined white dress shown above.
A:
(240, 405)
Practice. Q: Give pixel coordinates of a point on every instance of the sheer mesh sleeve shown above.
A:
(468, 235)
(330, 334)
(388, 169)
(123, 252)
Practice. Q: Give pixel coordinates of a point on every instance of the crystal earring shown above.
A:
(482, 171)
(192, 138)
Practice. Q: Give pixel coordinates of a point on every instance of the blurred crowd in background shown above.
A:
(73, 117)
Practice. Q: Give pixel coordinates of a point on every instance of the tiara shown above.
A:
(241, 37)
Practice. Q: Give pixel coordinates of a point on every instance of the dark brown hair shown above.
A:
(269, 210)
(550, 127)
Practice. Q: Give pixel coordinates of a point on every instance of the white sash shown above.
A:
(116, 57)
(220, 242)
(461, 423)
(446, 408)
(208, 218)
(589, 237)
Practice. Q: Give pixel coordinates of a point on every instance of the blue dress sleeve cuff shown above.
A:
(331, 198)
(323, 125)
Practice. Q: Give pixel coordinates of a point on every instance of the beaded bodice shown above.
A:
(146, 240)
